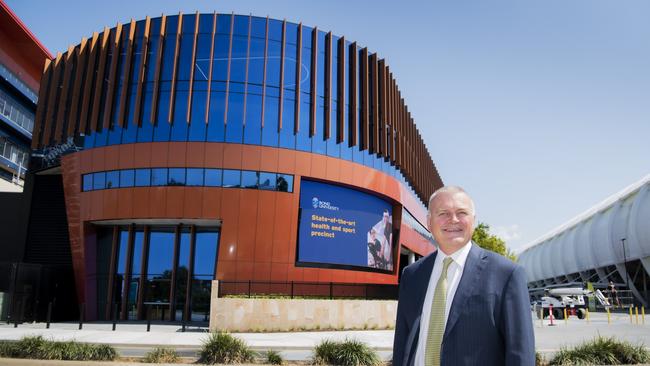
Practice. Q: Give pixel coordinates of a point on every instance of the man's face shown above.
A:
(451, 220)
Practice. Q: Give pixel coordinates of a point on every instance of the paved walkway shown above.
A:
(132, 340)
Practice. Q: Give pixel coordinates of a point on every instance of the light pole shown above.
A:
(625, 265)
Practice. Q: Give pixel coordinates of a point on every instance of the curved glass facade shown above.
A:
(234, 79)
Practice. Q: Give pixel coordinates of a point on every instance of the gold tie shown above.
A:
(437, 318)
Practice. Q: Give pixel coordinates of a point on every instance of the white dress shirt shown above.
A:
(454, 273)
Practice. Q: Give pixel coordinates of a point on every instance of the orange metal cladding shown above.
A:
(340, 93)
(354, 81)
(172, 93)
(51, 100)
(41, 107)
(365, 119)
(126, 75)
(263, 221)
(157, 71)
(88, 83)
(140, 72)
(73, 116)
(111, 81)
(63, 97)
(99, 81)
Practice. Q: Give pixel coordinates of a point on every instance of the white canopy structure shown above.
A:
(609, 242)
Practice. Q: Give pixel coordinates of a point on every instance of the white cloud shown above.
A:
(507, 233)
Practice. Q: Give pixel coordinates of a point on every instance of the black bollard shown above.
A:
(148, 318)
(114, 316)
(49, 315)
(81, 315)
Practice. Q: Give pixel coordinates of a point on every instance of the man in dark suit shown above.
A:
(462, 305)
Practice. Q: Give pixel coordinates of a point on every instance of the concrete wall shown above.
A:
(243, 314)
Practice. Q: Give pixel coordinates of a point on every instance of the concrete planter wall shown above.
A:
(245, 315)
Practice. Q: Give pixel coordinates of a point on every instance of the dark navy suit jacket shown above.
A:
(489, 321)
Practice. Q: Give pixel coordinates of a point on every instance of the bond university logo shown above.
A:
(316, 203)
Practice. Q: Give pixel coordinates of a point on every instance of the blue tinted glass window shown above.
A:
(303, 140)
(113, 179)
(275, 30)
(270, 135)
(290, 57)
(216, 127)
(138, 239)
(256, 61)
(89, 141)
(223, 23)
(99, 180)
(117, 100)
(220, 63)
(142, 177)
(176, 177)
(268, 181)
(134, 75)
(274, 53)
(127, 178)
(101, 137)
(161, 252)
(87, 182)
(231, 178)
(213, 177)
(159, 176)
(206, 23)
(194, 176)
(122, 257)
(145, 131)
(241, 25)
(258, 27)
(253, 127)
(205, 253)
(234, 126)
(129, 134)
(238, 58)
(114, 135)
(284, 183)
(287, 138)
(249, 179)
(291, 35)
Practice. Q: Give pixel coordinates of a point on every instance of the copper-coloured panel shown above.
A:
(172, 92)
(381, 107)
(282, 51)
(354, 85)
(156, 74)
(340, 92)
(207, 101)
(51, 100)
(63, 97)
(191, 86)
(41, 107)
(296, 115)
(82, 58)
(99, 80)
(110, 82)
(314, 72)
(126, 73)
(328, 85)
(140, 72)
(365, 119)
(373, 97)
(88, 83)
(266, 54)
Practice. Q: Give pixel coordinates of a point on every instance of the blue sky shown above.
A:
(539, 109)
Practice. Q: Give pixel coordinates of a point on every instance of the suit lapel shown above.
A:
(474, 265)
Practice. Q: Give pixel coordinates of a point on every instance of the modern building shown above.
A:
(609, 242)
(272, 156)
(21, 65)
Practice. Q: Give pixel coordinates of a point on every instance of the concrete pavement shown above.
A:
(132, 340)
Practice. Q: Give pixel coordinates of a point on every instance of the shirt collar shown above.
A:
(459, 257)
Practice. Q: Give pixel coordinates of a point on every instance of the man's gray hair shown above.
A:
(452, 189)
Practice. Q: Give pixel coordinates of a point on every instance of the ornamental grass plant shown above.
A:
(602, 351)
(39, 348)
(161, 355)
(350, 352)
(223, 348)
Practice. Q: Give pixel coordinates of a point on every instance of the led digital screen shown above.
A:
(344, 227)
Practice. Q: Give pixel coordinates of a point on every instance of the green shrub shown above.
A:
(602, 351)
(347, 353)
(539, 359)
(226, 349)
(39, 348)
(161, 355)
(274, 358)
